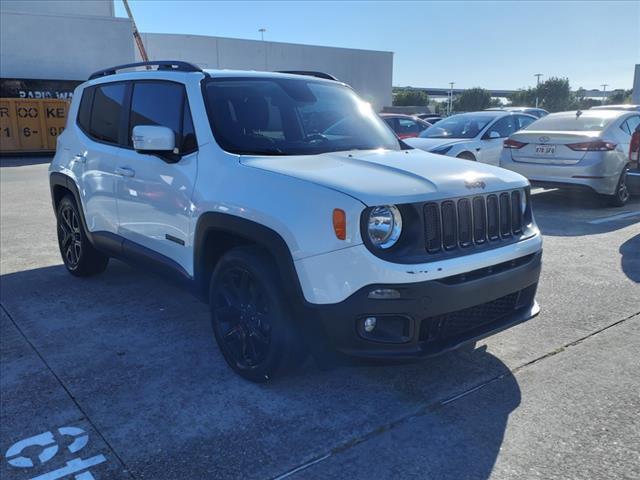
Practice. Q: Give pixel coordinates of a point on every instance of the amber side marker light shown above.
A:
(340, 223)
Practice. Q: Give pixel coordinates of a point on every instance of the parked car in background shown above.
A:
(405, 126)
(472, 136)
(429, 117)
(629, 108)
(576, 149)
(633, 176)
(536, 112)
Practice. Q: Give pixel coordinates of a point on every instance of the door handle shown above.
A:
(125, 172)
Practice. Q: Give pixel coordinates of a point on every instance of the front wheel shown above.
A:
(251, 323)
(78, 255)
(621, 195)
(467, 156)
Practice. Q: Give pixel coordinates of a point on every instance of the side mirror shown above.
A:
(153, 139)
(493, 134)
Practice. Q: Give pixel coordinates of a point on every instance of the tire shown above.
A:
(621, 195)
(252, 326)
(467, 156)
(78, 254)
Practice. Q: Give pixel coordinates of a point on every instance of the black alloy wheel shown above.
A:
(250, 316)
(78, 254)
(69, 236)
(242, 312)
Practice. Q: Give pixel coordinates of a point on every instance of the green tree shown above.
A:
(619, 96)
(555, 94)
(472, 99)
(581, 102)
(410, 98)
(523, 98)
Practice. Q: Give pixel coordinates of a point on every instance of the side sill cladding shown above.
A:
(119, 247)
(211, 222)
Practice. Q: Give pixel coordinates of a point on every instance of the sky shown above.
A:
(496, 45)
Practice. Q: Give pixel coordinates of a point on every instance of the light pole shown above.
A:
(537, 75)
(451, 84)
(262, 30)
(604, 91)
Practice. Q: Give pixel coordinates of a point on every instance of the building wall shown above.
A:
(636, 86)
(368, 72)
(59, 7)
(61, 47)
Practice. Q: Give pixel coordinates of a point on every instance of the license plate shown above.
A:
(545, 149)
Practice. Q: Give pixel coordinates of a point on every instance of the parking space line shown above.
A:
(66, 390)
(302, 467)
(613, 218)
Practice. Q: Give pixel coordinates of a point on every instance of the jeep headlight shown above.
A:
(384, 226)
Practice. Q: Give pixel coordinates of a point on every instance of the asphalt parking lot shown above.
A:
(121, 373)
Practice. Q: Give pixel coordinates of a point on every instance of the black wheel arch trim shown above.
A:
(255, 233)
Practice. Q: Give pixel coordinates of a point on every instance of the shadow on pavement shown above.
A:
(20, 161)
(138, 356)
(568, 213)
(630, 251)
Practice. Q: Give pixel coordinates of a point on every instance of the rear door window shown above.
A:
(524, 121)
(84, 111)
(106, 113)
(408, 127)
(631, 124)
(504, 127)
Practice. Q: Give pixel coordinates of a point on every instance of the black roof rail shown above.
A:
(310, 73)
(174, 65)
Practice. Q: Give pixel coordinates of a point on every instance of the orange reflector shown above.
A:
(340, 223)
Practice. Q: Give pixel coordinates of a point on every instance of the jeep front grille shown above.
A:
(461, 223)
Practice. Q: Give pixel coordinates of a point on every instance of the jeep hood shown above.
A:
(379, 177)
(428, 144)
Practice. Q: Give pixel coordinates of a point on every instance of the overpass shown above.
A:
(495, 93)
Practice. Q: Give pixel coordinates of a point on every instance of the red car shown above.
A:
(405, 126)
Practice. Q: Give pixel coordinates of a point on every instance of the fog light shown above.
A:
(384, 294)
(369, 324)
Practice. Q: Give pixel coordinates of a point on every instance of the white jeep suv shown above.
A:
(288, 205)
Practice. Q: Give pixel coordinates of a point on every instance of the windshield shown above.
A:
(264, 116)
(573, 123)
(458, 126)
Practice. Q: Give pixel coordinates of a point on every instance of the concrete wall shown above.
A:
(59, 7)
(61, 47)
(368, 72)
(636, 86)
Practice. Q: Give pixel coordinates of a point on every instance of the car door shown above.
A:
(493, 139)
(99, 141)
(154, 194)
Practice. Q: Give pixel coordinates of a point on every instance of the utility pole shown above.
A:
(604, 92)
(537, 75)
(136, 34)
(262, 30)
(451, 84)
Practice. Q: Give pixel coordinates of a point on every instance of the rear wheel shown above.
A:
(78, 255)
(621, 195)
(251, 324)
(467, 156)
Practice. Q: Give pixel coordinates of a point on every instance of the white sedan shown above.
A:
(474, 136)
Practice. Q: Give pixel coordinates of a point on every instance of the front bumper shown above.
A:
(434, 316)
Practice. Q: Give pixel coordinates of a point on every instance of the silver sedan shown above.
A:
(576, 149)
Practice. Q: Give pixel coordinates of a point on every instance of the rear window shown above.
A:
(107, 108)
(573, 123)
